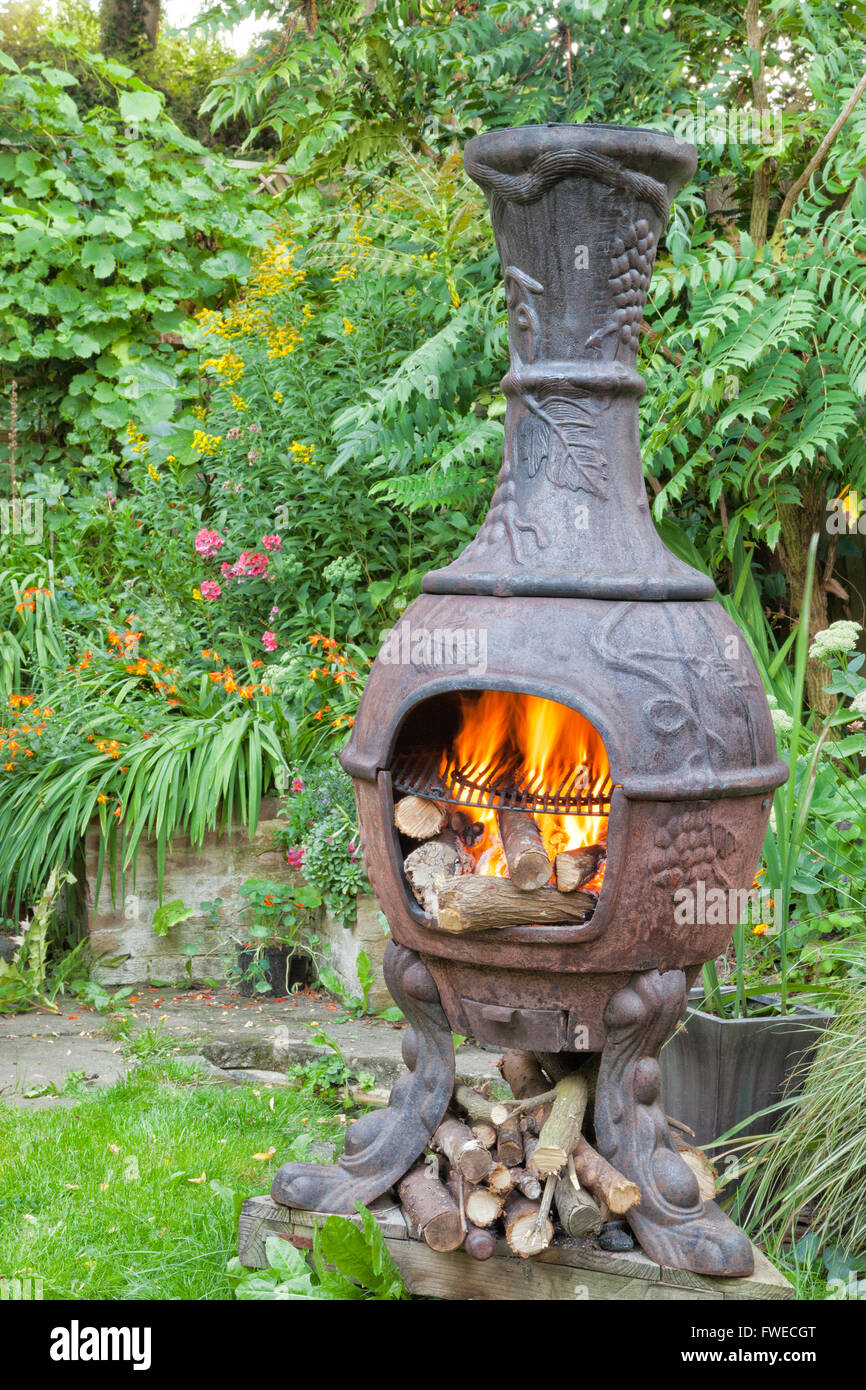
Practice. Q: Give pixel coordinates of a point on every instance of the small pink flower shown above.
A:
(298, 785)
(269, 641)
(272, 542)
(274, 612)
(207, 543)
(234, 433)
(255, 429)
(210, 590)
(295, 857)
(254, 454)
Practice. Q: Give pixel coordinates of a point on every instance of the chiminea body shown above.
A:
(578, 602)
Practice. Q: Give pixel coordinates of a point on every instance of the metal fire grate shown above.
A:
(502, 787)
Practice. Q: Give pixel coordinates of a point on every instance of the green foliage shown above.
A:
(169, 915)
(322, 837)
(346, 1263)
(139, 760)
(329, 1073)
(181, 66)
(339, 87)
(757, 398)
(114, 227)
(23, 981)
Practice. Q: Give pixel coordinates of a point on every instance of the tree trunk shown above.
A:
(127, 27)
(763, 175)
(799, 522)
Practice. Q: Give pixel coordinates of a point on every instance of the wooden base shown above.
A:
(571, 1268)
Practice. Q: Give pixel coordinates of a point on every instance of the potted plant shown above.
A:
(747, 1040)
(272, 953)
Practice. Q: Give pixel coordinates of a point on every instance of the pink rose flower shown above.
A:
(272, 542)
(210, 590)
(207, 543)
(269, 641)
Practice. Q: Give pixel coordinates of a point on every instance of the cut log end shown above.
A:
(419, 819)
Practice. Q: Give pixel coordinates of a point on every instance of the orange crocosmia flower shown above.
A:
(256, 662)
(102, 798)
(230, 686)
(118, 812)
(265, 689)
(318, 714)
(8, 766)
(339, 678)
(247, 692)
(114, 639)
(350, 721)
(172, 690)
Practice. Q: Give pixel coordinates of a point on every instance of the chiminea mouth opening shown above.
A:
(523, 790)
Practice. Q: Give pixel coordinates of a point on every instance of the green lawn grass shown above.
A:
(128, 1194)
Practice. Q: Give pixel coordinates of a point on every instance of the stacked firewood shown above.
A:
(445, 879)
(510, 1167)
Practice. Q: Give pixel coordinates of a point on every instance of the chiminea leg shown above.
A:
(382, 1146)
(671, 1222)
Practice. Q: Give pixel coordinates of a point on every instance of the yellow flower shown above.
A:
(196, 593)
(278, 397)
(348, 327)
(154, 472)
(205, 443)
(171, 459)
(238, 402)
(761, 929)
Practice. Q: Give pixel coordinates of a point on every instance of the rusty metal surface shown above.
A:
(577, 212)
(578, 601)
(672, 1223)
(672, 689)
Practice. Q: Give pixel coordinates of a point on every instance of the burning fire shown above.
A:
(552, 743)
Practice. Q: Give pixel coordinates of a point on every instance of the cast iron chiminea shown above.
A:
(582, 604)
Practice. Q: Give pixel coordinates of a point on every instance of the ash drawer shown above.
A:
(540, 1030)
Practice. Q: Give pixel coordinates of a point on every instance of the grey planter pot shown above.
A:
(719, 1071)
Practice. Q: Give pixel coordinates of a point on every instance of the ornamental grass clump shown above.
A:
(817, 1158)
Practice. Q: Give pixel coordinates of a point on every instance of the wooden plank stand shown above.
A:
(571, 1268)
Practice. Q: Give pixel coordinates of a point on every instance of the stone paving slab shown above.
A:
(231, 1033)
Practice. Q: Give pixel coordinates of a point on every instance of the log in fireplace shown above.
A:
(564, 734)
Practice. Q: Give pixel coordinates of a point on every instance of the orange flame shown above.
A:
(553, 744)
